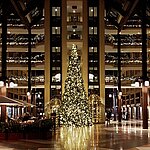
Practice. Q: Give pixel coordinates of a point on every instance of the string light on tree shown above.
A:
(74, 109)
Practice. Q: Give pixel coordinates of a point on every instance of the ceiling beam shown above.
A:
(20, 13)
(129, 11)
(24, 9)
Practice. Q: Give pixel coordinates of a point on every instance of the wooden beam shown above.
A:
(20, 13)
(130, 10)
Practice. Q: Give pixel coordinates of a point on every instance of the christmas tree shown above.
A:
(74, 109)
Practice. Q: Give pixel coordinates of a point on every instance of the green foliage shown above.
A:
(74, 110)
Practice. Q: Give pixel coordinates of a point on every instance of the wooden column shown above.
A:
(47, 58)
(144, 66)
(84, 55)
(29, 68)
(20, 111)
(4, 58)
(4, 42)
(102, 56)
(34, 103)
(3, 113)
(119, 78)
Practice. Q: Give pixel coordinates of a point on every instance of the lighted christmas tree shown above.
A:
(74, 109)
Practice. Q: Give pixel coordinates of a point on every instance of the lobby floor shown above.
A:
(129, 135)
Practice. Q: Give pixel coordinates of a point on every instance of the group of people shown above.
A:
(27, 117)
(108, 115)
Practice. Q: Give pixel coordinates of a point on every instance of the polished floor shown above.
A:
(129, 135)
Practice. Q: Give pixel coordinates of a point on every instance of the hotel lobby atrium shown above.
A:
(113, 47)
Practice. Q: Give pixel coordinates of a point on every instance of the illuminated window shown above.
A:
(93, 49)
(55, 60)
(93, 68)
(55, 68)
(55, 86)
(93, 30)
(55, 11)
(55, 49)
(93, 86)
(55, 30)
(92, 11)
(93, 78)
(56, 78)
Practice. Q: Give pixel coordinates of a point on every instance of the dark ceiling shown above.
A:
(120, 14)
(22, 14)
(28, 12)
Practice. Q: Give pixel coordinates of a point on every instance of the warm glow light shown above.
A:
(58, 76)
(137, 84)
(15, 84)
(1, 83)
(91, 76)
(28, 93)
(120, 93)
(12, 84)
(39, 96)
(133, 84)
(75, 138)
(6, 85)
(110, 95)
(146, 83)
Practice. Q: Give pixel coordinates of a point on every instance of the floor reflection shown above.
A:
(114, 137)
(128, 135)
(75, 138)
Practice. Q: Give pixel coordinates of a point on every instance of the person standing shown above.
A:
(108, 117)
